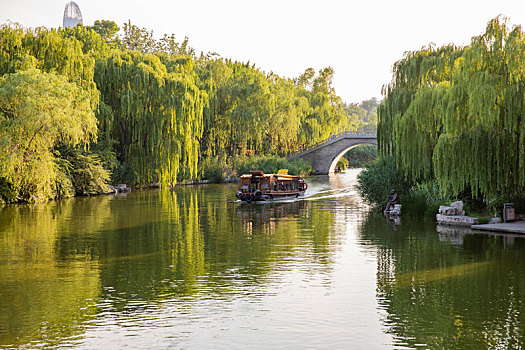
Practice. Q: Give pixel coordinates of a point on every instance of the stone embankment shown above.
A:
(509, 227)
(455, 215)
(120, 188)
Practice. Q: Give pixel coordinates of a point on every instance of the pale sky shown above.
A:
(360, 39)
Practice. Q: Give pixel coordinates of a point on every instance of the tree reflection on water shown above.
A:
(449, 289)
(65, 263)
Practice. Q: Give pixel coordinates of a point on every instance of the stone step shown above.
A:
(456, 220)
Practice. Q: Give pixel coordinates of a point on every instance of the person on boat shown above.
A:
(394, 199)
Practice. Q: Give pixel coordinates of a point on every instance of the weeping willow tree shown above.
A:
(326, 114)
(154, 111)
(48, 98)
(49, 51)
(214, 78)
(252, 106)
(265, 113)
(248, 109)
(160, 109)
(420, 72)
(290, 109)
(38, 111)
(484, 116)
(456, 114)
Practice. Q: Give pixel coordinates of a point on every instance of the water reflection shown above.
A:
(450, 289)
(267, 216)
(43, 298)
(190, 268)
(69, 265)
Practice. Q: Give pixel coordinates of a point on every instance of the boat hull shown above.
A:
(264, 197)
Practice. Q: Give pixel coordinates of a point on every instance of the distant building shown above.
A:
(72, 15)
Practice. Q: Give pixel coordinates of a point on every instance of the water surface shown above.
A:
(193, 269)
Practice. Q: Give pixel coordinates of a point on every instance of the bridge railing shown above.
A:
(351, 132)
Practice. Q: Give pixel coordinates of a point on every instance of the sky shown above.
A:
(360, 40)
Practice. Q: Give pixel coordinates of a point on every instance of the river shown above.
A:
(193, 269)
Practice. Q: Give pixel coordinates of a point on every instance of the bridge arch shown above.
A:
(341, 153)
(325, 155)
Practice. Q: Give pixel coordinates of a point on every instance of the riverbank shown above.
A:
(510, 227)
(423, 198)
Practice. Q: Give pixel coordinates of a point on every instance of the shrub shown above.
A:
(124, 174)
(430, 191)
(361, 155)
(215, 170)
(85, 170)
(63, 185)
(342, 164)
(378, 178)
(88, 176)
(8, 192)
(424, 199)
(299, 166)
(414, 203)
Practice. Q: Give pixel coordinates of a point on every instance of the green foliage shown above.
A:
(88, 175)
(47, 97)
(484, 220)
(38, 111)
(156, 114)
(49, 51)
(363, 115)
(431, 192)
(271, 165)
(107, 30)
(124, 173)
(415, 204)
(63, 184)
(326, 114)
(8, 192)
(215, 170)
(85, 170)
(92, 43)
(361, 155)
(142, 40)
(370, 106)
(378, 178)
(160, 109)
(455, 114)
(342, 164)
(424, 200)
(250, 110)
(495, 207)
(138, 39)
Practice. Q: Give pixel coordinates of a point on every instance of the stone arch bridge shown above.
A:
(324, 155)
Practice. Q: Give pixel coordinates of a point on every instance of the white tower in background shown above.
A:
(72, 15)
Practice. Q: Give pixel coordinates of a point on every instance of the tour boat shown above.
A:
(257, 186)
